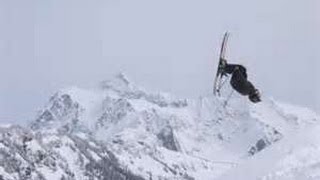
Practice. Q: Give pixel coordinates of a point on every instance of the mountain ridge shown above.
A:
(142, 135)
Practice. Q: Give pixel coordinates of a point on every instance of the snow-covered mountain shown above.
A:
(120, 131)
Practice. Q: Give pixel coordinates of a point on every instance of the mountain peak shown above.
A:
(120, 82)
(158, 136)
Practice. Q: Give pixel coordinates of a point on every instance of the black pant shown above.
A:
(239, 79)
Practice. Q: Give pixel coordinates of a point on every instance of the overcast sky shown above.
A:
(163, 45)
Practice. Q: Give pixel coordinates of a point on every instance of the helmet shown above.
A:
(255, 96)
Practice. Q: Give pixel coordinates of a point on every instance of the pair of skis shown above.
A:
(218, 83)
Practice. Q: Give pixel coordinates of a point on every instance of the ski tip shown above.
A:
(226, 34)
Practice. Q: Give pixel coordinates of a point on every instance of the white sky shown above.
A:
(163, 45)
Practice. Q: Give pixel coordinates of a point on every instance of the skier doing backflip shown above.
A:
(238, 73)
(239, 80)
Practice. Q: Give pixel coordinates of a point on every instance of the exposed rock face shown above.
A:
(61, 109)
(28, 155)
(167, 139)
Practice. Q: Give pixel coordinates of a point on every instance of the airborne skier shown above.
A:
(239, 80)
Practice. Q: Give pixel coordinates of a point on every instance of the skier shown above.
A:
(239, 80)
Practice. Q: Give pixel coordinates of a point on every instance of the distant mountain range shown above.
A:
(119, 131)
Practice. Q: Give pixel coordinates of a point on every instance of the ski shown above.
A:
(219, 74)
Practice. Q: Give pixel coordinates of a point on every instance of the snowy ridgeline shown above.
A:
(119, 131)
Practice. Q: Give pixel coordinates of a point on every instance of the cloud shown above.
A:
(162, 45)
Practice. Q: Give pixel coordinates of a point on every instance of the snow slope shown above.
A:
(142, 135)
